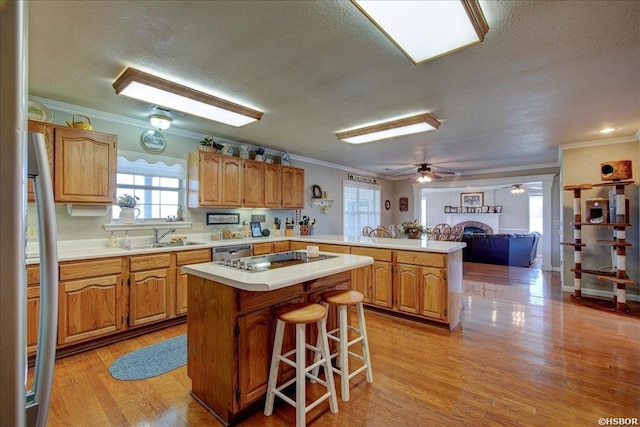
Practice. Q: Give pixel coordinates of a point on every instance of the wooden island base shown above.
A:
(230, 339)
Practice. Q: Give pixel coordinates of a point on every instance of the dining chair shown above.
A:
(395, 231)
(366, 230)
(380, 232)
(456, 233)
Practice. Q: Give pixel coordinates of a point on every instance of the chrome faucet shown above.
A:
(155, 234)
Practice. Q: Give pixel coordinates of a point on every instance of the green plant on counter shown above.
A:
(412, 227)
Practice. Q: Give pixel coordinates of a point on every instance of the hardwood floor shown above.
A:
(524, 356)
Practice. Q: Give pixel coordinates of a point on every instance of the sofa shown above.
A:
(517, 250)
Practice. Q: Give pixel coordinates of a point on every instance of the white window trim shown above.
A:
(358, 184)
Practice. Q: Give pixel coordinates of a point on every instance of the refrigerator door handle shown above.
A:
(38, 169)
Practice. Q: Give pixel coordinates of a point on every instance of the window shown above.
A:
(535, 214)
(361, 204)
(159, 187)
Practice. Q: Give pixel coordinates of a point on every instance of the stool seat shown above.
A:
(301, 313)
(342, 297)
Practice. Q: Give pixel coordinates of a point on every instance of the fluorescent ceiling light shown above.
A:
(405, 126)
(607, 130)
(155, 90)
(160, 122)
(425, 30)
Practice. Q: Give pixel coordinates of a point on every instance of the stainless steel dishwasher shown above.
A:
(232, 252)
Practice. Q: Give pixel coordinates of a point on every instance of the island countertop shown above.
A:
(277, 278)
(423, 245)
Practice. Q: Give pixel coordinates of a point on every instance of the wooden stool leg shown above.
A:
(317, 356)
(275, 365)
(343, 357)
(365, 342)
(326, 354)
(301, 412)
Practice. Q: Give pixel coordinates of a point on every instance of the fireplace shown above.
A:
(487, 222)
(471, 227)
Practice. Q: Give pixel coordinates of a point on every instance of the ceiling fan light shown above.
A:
(517, 189)
(424, 179)
(155, 90)
(398, 127)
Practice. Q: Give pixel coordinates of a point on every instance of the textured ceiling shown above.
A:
(548, 73)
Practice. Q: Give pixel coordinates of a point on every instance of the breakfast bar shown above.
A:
(231, 321)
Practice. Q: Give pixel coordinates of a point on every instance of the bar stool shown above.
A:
(343, 300)
(301, 314)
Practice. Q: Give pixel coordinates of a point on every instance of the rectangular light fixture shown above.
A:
(404, 126)
(425, 30)
(146, 87)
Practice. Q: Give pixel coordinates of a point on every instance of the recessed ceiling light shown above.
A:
(425, 30)
(607, 130)
(398, 127)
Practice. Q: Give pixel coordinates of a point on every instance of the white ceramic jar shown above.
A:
(244, 152)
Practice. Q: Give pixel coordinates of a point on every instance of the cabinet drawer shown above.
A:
(147, 262)
(33, 275)
(261, 248)
(376, 254)
(281, 246)
(295, 246)
(82, 269)
(248, 300)
(193, 257)
(422, 258)
(326, 282)
(338, 249)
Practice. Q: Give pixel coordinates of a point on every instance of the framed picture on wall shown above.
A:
(472, 200)
(447, 209)
(403, 203)
(498, 209)
(485, 209)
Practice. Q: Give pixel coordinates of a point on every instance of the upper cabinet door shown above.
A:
(253, 183)
(292, 187)
(231, 181)
(84, 166)
(272, 186)
(209, 180)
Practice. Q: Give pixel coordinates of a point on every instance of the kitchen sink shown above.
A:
(166, 244)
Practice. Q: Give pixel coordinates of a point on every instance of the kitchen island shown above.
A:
(231, 324)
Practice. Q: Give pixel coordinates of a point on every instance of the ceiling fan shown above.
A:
(425, 174)
(516, 188)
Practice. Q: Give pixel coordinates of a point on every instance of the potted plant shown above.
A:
(412, 229)
(260, 154)
(208, 144)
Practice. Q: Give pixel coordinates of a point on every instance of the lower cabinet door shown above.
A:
(434, 298)
(409, 277)
(382, 284)
(88, 308)
(360, 281)
(255, 341)
(33, 314)
(148, 296)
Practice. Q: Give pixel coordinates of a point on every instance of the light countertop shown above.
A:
(278, 278)
(70, 250)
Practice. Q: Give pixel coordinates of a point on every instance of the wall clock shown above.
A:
(153, 141)
(387, 204)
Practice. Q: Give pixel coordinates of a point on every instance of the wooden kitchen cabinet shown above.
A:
(185, 258)
(84, 168)
(231, 171)
(151, 286)
(380, 275)
(272, 186)
(205, 177)
(253, 184)
(33, 307)
(322, 247)
(292, 187)
(270, 247)
(421, 284)
(89, 299)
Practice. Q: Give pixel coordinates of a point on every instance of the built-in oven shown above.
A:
(232, 251)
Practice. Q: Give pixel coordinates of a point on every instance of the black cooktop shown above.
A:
(272, 261)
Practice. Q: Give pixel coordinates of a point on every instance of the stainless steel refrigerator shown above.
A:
(22, 154)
